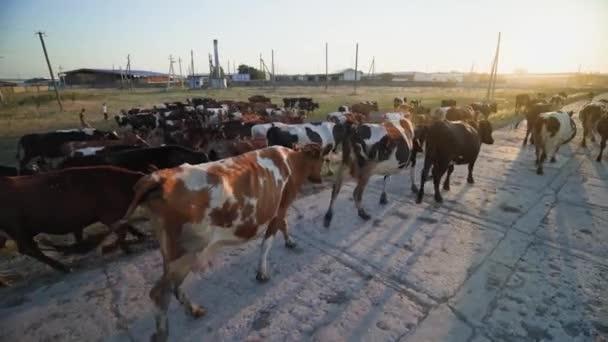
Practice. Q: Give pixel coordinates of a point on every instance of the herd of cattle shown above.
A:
(209, 173)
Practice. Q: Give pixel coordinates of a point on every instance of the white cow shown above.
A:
(551, 130)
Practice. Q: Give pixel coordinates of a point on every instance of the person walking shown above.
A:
(104, 108)
(83, 122)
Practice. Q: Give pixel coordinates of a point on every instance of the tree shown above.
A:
(254, 74)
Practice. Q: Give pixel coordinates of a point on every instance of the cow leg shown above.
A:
(383, 199)
(178, 271)
(541, 159)
(413, 187)
(423, 176)
(602, 147)
(438, 171)
(335, 191)
(584, 142)
(262, 273)
(161, 296)
(358, 193)
(446, 183)
(28, 247)
(526, 136)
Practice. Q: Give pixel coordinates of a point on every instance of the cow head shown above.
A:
(485, 132)
(314, 161)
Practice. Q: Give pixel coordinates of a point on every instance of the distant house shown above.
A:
(109, 77)
(349, 75)
(198, 81)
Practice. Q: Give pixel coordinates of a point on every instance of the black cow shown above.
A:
(449, 143)
(142, 160)
(236, 129)
(602, 130)
(448, 103)
(485, 108)
(48, 145)
(138, 122)
(533, 110)
(521, 100)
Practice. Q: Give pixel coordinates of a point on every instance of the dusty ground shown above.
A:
(516, 257)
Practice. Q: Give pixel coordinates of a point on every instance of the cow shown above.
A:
(521, 100)
(197, 209)
(236, 129)
(344, 109)
(602, 130)
(557, 101)
(365, 108)
(449, 143)
(485, 108)
(226, 148)
(398, 101)
(259, 99)
(327, 134)
(533, 110)
(141, 159)
(396, 116)
(384, 149)
(64, 202)
(138, 122)
(448, 103)
(48, 145)
(260, 131)
(457, 113)
(69, 149)
(551, 130)
(590, 115)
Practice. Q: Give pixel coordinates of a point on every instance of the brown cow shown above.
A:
(590, 115)
(64, 202)
(365, 108)
(197, 209)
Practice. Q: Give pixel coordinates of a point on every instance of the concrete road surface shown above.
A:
(515, 257)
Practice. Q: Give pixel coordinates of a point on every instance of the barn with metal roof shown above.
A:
(109, 77)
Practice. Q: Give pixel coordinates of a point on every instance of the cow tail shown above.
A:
(145, 186)
(19, 148)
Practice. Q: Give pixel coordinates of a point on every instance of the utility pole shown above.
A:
(181, 76)
(192, 62)
(356, 65)
(492, 81)
(171, 71)
(48, 63)
(128, 74)
(274, 85)
(495, 68)
(326, 70)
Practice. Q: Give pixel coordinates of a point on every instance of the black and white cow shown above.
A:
(551, 130)
(328, 135)
(369, 149)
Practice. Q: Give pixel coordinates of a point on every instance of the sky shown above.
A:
(402, 35)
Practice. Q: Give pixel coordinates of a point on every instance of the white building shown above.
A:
(349, 75)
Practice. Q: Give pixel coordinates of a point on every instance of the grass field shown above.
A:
(29, 113)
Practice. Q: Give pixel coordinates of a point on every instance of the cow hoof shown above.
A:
(262, 277)
(552, 160)
(414, 189)
(539, 171)
(327, 219)
(197, 311)
(159, 337)
(383, 199)
(470, 180)
(364, 215)
(446, 187)
(290, 244)
(438, 198)
(599, 160)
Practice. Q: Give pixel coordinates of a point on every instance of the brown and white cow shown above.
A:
(365, 108)
(196, 209)
(382, 149)
(552, 130)
(590, 115)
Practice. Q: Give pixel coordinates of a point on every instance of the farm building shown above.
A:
(349, 74)
(108, 77)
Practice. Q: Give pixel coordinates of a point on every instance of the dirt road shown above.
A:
(515, 257)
